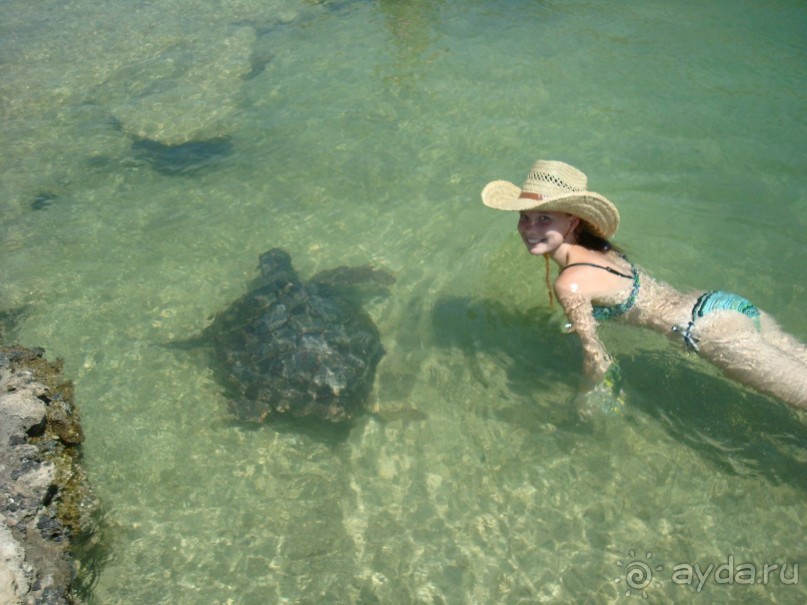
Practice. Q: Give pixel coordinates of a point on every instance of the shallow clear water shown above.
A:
(363, 132)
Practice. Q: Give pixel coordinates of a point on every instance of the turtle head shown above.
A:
(275, 266)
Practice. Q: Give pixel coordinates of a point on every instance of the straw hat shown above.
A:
(555, 187)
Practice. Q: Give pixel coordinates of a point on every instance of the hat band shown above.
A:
(531, 196)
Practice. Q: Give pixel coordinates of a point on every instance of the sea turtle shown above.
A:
(289, 346)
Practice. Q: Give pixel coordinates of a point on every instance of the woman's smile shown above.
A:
(542, 232)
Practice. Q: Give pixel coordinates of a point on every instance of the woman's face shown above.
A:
(543, 232)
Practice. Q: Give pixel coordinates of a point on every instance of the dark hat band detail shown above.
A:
(531, 196)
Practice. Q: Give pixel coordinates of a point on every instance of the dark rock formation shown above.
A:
(182, 159)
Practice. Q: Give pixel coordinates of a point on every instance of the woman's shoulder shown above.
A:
(592, 272)
(593, 261)
(577, 280)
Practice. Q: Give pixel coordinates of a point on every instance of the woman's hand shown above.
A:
(604, 397)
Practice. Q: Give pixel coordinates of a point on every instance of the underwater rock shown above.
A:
(185, 158)
(185, 93)
(294, 347)
(258, 62)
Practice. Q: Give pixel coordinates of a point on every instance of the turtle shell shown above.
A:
(294, 347)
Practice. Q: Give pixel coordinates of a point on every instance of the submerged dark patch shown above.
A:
(43, 200)
(185, 158)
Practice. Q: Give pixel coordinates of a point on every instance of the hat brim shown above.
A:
(592, 207)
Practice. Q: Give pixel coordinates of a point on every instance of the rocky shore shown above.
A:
(46, 506)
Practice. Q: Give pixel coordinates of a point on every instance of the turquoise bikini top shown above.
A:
(602, 312)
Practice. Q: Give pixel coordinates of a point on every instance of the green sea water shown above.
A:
(354, 132)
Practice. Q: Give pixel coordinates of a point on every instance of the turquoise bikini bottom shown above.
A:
(717, 300)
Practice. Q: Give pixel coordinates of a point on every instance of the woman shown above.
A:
(563, 221)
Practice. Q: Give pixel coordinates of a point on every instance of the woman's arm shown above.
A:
(603, 388)
(579, 312)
